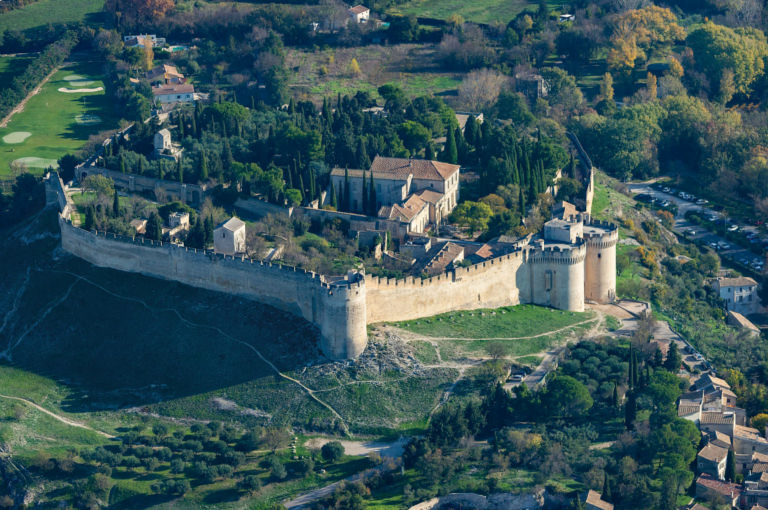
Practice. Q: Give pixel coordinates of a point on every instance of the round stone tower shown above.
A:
(600, 263)
(342, 323)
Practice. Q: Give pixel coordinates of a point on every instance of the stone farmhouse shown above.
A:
(739, 294)
(174, 93)
(229, 237)
(359, 13)
(415, 191)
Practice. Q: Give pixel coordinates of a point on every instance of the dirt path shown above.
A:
(409, 336)
(62, 419)
(19, 107)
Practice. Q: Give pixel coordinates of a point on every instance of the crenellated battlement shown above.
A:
(544, 273)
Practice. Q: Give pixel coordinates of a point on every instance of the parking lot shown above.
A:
(735, 253)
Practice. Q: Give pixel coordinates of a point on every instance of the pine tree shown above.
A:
(372, 198)
(203, 167)
(115, 205)
(365, 194)
(730, 466)
(450, 153)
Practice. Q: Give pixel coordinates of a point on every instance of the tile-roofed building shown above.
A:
(166, 74)
(709, 487)
(175, 93)
(359, 13)
(449, 253)
(737, 320)
(711, 459)
(463, 117)
(229, 237)
(739, 294)
(397, 179)
(414, 212)
(709, 382)
(593, 500)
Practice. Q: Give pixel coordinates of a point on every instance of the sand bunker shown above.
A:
(87, 118)
(74, 91)
(32, 162)
(16, 136)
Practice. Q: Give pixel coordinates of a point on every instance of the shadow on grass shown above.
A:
(222, 496)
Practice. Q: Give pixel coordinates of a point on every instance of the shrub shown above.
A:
(332, 451)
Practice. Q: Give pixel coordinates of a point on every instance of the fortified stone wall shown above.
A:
(191, 194)
(489, 284)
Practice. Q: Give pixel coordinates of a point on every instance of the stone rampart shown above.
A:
(489, 284)
(192, 194)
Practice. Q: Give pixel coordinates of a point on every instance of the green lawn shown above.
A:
(43, 12)
(479, 11)
(505, 322)
(54, 123)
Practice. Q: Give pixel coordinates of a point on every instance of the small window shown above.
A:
(599, 255)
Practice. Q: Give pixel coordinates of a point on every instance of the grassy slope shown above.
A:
(50, 117)
(505, 322)
(479, 11)
(43, 12)
(10, 67)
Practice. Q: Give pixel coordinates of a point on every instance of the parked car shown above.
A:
(733, 228)
(702, 201)
(665, 189)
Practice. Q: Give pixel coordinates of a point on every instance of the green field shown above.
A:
(506, 322)
(12, 66)
(43, 12)
(54, 123)
(479, 11)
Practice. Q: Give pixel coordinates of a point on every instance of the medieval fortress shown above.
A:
(571, 262)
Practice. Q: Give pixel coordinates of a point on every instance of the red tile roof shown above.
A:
(420, 168)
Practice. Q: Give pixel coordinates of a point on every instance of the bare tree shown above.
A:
(481, 88)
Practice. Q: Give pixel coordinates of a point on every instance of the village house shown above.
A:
(139, 225)
(593, 500)
(359, 13)
(164, 147)
(739, 294)
(178, 226)
(740, 322)
(165, 74)
(531, 85)
(463, 117)
(711, 460)
(229, 237)
(175, 93)
(143, 40)
(709, 487)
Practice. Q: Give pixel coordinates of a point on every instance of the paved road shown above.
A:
(698, 233)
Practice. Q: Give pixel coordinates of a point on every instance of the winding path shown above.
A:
(62, 419)
(19, 107)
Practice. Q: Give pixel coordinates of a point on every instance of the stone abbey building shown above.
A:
(572, 261)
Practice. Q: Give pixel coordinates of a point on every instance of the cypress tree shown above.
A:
(630, 410)
(365, 194)
(312, 184)
(429, 153)
(208, 238)
(471, 131)
(730, 466)
(181, 126)
(333, 198)
(90, 218)
(615, 399)
(346, 202)
(450, 153)
(372, 199)
(203, 167)
(116, 205)
(154, 228)
(180, 169)
(362, 154)
(122, 163)
(301, 188)
(606, 495)
(522, 202)
(228, 158)
(632, 368)
(141, 165)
